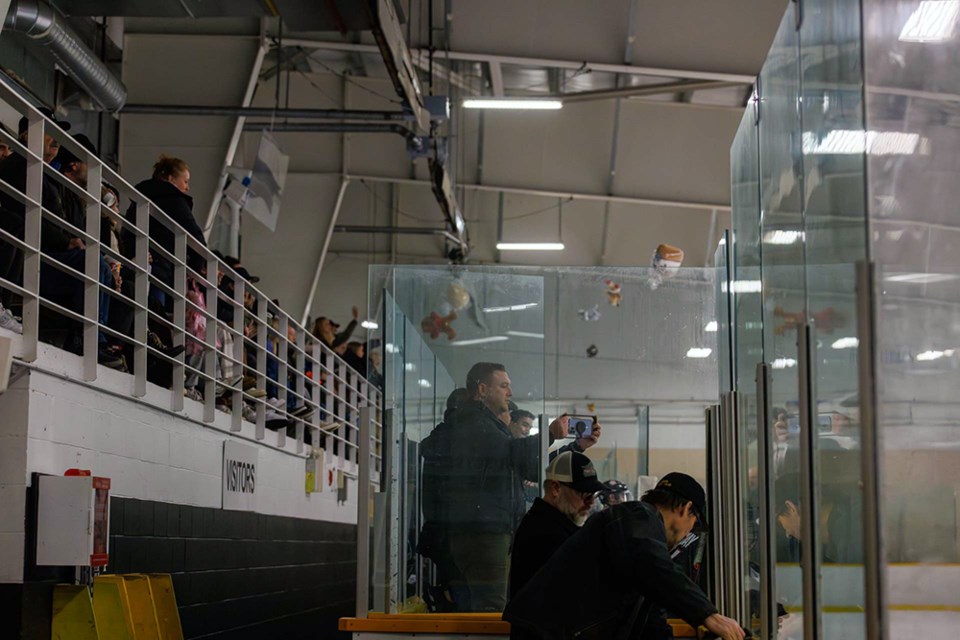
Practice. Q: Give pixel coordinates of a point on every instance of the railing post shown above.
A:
(239, 349)
(300, 383)
(91, 267)
(179, 312)
(261, 325)
(141, 284)
(31, 234)
(210, 355)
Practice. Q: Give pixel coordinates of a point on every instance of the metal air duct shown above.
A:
(41, 22)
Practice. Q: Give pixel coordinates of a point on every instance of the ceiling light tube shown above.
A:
(699, 352)
(525, 334)
(464, 343)
(523, 104)
(514, 307)
(530, 246)
(711, 326)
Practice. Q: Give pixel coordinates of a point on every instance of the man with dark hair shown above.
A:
(521, 422)
(839, 526)
(620, 561)
(570, 487)
(484, 496)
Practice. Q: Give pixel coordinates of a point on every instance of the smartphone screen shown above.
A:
(579, 426)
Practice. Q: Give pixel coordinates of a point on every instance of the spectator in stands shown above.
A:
(355, 356)
(374, 373)
(168, 188)
(65, 246)
(13, 171)
(326, 330)
(5, 149)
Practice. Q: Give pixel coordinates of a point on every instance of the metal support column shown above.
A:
(765, 472)
(716, 506)
(324, 249)
(873, 562)
(809, 488)
(235, 136)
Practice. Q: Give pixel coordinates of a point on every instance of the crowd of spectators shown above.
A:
(66, 197)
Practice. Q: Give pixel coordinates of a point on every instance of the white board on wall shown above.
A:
(239, 476)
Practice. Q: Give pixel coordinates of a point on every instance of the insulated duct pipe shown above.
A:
(267, 112)
(41, 22)
(337, 127)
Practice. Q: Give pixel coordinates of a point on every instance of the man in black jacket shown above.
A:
(485, 488)
(569, 490)
(605, 575)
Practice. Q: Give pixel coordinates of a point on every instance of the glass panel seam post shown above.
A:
(873, 574)
(363, 513)
(729, 471)
(768, 617)
(809, 487)
(716, 504)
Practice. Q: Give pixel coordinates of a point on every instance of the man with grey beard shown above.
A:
(569, 490)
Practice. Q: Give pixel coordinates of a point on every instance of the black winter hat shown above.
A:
(686, 487)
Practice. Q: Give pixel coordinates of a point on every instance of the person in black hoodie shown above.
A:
(615, 565)
(434, 535)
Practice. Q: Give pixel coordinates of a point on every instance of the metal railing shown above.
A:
(314, 391)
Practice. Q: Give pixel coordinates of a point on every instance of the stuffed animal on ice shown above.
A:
(666, 262)
(590, 315)
(435, 324)
(613, 293)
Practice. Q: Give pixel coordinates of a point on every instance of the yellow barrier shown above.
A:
(136, 607)
(165, 605)
(142, 612)
(73, 617)
(111, 609)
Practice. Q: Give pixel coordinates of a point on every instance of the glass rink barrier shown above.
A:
(844, 293)
(466, 445)
(97, 270)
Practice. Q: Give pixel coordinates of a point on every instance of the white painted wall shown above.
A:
(50, 425)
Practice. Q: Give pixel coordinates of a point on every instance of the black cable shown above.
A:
(346, 78)
(313, 84)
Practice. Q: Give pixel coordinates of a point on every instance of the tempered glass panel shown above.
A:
(833, 139)
(748, 343)
(913, 120)
(782, 282)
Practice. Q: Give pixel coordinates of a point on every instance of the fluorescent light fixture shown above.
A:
(932, 21)
(391, 348)
(781, 236)
(525, 334)
(515, 307)
(524, 104)
(920, 278)
(699, 352)
(846, 343)
(465, 343)
(409, 367)
(534, 431)
(784, 363)
(369, 324)
(927, 356)
(530, 246)
(711, 327)
(857, 141)
(743, 286)
(424, 384)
